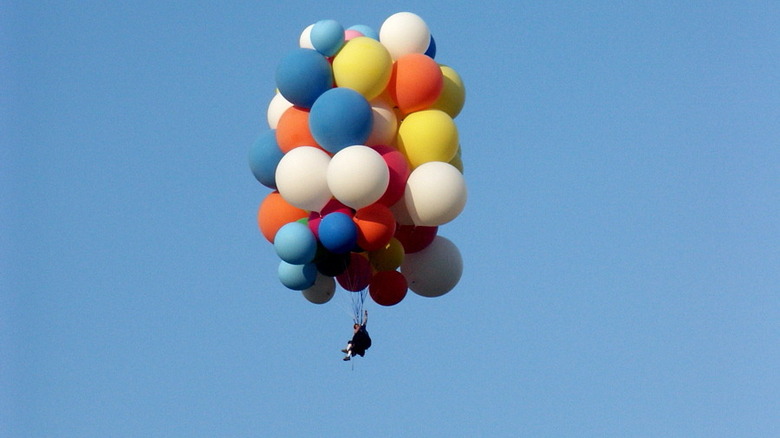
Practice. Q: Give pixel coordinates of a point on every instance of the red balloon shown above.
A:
(358, 274)
(399, 173)
(415, 238)
(388, 288)
(376, 226)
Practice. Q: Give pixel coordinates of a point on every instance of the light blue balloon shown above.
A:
(365, 30)
(327, 37)
(339, 118)
(338, 233)
(264, 156)
(297, 277)
(302, 76)
(295, 243)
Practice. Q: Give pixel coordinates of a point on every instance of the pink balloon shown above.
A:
(399, 173)
(351, 33)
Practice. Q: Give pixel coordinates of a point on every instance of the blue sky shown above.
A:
(621, 240)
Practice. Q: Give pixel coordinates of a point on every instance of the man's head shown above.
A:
(355, 326)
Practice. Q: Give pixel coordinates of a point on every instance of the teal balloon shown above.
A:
(295, 243)
(339, 118)
(302, 76)
(297, 277)
(327, 37)
(264, 156)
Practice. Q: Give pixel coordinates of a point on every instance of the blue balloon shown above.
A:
(295, 243)
(365, 30)
(264, 156)
(327, 37)
(341, 117)
(297, 277)
(302, 76)
(431, 52)
(338, 233)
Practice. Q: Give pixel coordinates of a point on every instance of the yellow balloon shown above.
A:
(388, 258)
(364, 65)
(428, 135)
(453, 94)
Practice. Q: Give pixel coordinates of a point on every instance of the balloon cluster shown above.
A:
(363, 158)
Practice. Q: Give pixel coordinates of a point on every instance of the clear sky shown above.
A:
(621, 240)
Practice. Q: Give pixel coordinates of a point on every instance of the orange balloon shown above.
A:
(274, 212)
(292, 130)
(376, 226)
(416, 82)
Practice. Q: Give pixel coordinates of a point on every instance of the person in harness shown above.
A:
(360, 341)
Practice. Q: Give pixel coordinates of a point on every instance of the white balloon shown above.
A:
(322, 291)
(357, 176)
(403, 33)
(276, 108)
(301, 178)
(385, 124)
(400, 213)
(305, 39)
(434, 270)
(435, 193)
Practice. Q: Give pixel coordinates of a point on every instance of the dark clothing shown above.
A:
(360, 341)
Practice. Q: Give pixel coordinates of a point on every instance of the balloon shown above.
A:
(302, 76)
(385, 124)
(351, 34)
(357, 176)
(327, 37)
(398, 171)
(400, 212)
(304, 41)
(332, 206)
(415, 238)
(435, 270)
(429, 135)
(276, 108)
(293, 129)
(364, 65)
(431, 51)
(388, 257)
(457, 161)
(357, 275)
(297, 277)
(339, 118)
(435, 194)
(365, 30)
(301, 178)
(294, 243)
(331, 264)
(321, 291)
(264, 156)
(338, 233)
(453, 93)
(416, 82)
(375, 226)
(388, 288)
(403, 33)
(274, 212)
